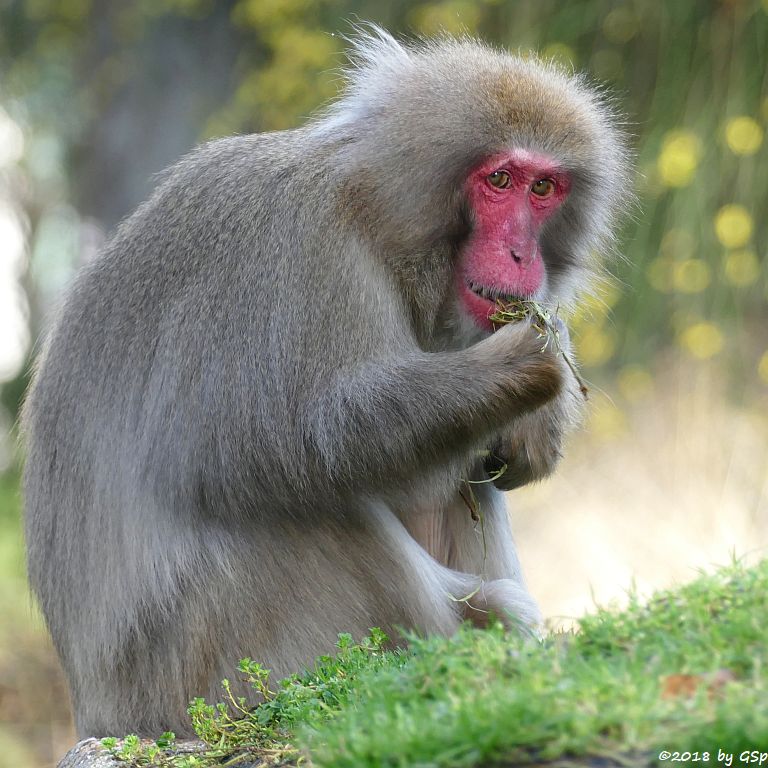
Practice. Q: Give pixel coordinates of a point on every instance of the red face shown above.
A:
(510, 196)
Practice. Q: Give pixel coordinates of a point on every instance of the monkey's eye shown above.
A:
(543, 187)
(500, 180)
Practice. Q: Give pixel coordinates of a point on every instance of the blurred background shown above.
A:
(669, 475)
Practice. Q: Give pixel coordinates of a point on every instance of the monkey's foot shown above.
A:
(509, 602)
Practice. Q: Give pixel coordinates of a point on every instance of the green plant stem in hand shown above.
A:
(545, 322)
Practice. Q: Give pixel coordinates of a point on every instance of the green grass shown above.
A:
(611, 689)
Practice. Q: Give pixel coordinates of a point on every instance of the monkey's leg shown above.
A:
(481, 547)
(279, 594)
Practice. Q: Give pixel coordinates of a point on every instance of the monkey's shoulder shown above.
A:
(233, 160)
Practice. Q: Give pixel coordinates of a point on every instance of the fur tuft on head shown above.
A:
(415, 117)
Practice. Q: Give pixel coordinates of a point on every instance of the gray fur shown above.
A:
(257, 401)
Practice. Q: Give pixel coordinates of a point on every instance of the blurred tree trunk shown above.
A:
(152, 83)
(153, 97)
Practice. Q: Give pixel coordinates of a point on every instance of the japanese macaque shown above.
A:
(253, 421)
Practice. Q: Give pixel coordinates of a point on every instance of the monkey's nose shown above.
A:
(523, 256)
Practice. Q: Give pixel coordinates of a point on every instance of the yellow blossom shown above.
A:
(733, 226)
(743, 135)
(741, 267)
(679, 158)
(702, 340)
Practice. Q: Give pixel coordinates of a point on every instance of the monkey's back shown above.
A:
(163, 412)
(124, 378)
(179, 330)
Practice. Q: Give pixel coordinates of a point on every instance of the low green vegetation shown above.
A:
(684, 675)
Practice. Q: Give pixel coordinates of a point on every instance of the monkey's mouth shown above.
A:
(494, 294)
(480, 301)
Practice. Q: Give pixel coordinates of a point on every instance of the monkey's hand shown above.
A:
(530, 447)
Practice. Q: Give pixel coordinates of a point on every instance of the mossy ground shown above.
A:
(686, 672)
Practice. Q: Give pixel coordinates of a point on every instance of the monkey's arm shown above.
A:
(389, 420)
(530, 448)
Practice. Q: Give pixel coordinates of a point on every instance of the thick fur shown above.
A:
(249, 425)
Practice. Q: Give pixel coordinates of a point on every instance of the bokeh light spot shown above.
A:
(743, 135)
(596, 306)
(605, 295)
(11, 141)
(742, 267)
(762, 367)
(14, 331)
(691, 275)
(678, 243)
(702, 340)
(679, 158)
(635, 382)
(609, 293)
(595, 345)
(606, 420)
(620, 25)
(733, 226)
(660, 274)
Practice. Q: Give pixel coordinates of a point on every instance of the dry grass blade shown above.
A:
(545, 322)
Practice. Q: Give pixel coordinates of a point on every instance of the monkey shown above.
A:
(259, 413)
